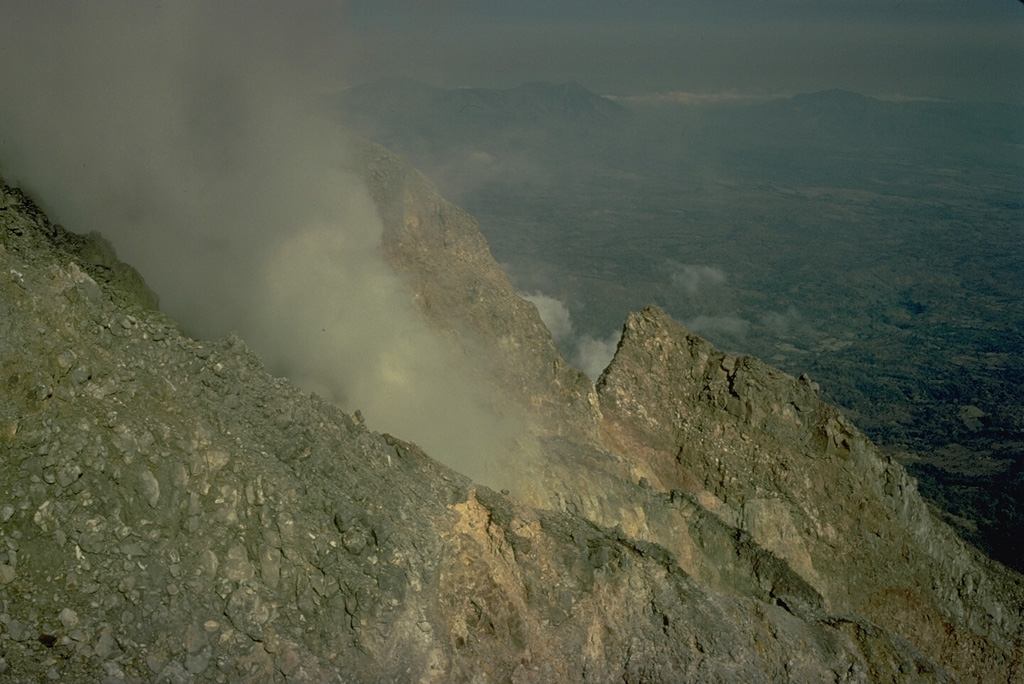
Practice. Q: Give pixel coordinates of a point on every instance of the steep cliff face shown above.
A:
(723, 461)
(456, 282)
(759, 449)
(170, 512)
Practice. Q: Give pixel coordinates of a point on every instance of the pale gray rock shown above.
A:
(236, 566)
(249, 612)
(69, 618)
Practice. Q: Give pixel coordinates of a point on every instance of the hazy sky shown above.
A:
(937, 48)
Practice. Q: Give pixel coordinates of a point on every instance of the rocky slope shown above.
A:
(170, 512)
(688, 434)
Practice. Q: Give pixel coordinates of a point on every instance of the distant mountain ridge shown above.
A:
(388, 106)
(434, 112)
(844, 117)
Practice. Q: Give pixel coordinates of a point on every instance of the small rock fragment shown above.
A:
(68, 618)
(149, 488)
(248, 612)
(237, 567)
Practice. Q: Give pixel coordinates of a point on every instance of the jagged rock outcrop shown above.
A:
(456, 282)
(93, 254)
(723, 461)
(758, 448)
(170, 512)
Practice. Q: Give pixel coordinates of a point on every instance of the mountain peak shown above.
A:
(554, 106)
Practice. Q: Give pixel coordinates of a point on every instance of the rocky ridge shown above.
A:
(173, 513)
(696, 448)
(455, 281)
(610, 218)
(759, 449)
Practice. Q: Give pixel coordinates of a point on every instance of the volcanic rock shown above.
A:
(698, 517)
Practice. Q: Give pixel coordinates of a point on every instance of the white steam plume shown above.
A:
(593, 355)
(694, 278)
(590, 354)
(554, 313)
(190, 136)
(727, 329)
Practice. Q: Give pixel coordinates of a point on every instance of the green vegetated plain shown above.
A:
(877, 246)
